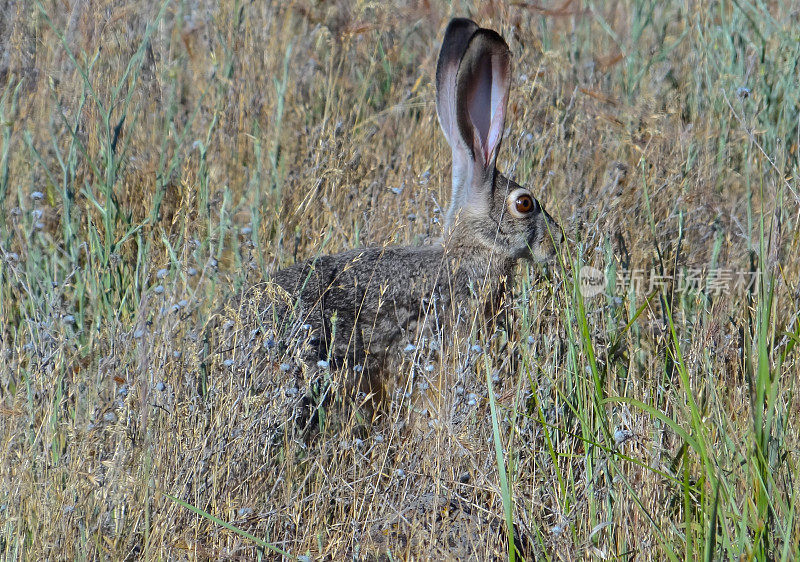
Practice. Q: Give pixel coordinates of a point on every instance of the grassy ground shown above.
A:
(157, 159)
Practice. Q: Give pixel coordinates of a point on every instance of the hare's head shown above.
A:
(473, 75)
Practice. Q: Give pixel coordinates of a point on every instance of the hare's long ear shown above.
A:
(456, 38)
(482, 85)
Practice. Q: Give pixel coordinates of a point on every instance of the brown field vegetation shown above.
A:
(158, 160)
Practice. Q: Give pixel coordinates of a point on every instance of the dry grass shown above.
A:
(159, 160)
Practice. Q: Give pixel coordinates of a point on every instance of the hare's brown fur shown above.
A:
(362, 304)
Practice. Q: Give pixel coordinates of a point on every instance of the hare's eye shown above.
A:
(521, 203)
(524, 204)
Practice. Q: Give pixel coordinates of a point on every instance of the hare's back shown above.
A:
(396, 272)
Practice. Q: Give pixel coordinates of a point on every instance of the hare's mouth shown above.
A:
(541, 256)
(542, 249)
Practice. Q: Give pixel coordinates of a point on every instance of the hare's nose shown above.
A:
(555, 229)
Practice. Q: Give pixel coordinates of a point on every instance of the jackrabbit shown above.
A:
(362, 304)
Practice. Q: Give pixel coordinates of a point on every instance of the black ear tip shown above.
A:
(459, 30)
(491, 38)
(460, 23)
